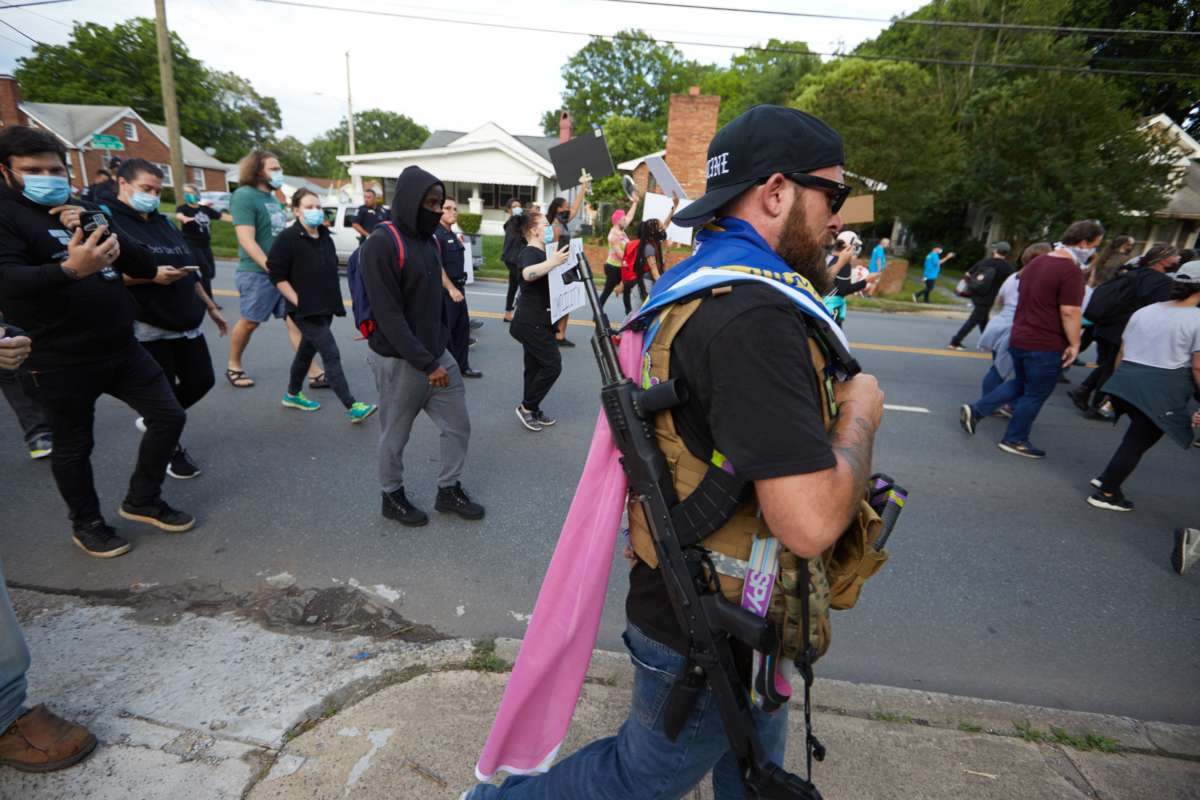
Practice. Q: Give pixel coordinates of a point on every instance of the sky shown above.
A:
(441, 74)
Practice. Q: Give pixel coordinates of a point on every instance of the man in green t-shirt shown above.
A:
(258, 217)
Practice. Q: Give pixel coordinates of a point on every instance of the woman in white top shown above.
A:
(995, 335)
(1158, 372)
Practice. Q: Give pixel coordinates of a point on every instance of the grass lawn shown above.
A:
(224, 240)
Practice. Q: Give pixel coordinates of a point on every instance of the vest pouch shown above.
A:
(787, 609)
(854, 558)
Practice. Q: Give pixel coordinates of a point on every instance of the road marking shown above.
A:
(911, 409)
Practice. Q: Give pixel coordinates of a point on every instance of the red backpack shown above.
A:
(629, 260)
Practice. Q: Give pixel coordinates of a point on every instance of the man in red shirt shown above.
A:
(1045, 336)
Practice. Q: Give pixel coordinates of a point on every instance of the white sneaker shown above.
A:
(140, 424)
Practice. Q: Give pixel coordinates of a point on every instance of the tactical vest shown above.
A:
(835, 578)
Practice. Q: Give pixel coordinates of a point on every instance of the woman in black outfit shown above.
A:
(303, 265)
(513, 244)
(531, 324)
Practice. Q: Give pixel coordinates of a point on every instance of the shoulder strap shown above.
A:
(399, 242)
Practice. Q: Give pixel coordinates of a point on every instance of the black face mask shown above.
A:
(564, 217)
(427, 221)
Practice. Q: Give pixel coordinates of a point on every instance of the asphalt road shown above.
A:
(1002, 583)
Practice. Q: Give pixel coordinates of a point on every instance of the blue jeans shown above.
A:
(14, 662)
(991, 380)
(640, 763)
(1035, 376)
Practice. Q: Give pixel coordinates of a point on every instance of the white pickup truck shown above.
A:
(340, 217)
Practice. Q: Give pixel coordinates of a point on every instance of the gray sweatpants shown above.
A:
(403, 391)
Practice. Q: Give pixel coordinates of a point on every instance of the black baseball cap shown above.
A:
(755, 145)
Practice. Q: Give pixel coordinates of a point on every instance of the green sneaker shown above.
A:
(299, 401)
(360, 411)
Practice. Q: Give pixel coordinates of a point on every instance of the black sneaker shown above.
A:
(476, 324)
(100, 541)
(543, 419)
(564, 343)
(1080, 399)
(955, 346)
(1110, 502)
(397, 507)
(1099, 415)
(528, 419)
(471, 373)
(181, 466)
(160, 515)
(1023, 449)
(968, 419)
(453, 500)
(472, 341)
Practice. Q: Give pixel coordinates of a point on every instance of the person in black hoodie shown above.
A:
(60, 281)
(170, 306)
(402, 274)
(992, 272)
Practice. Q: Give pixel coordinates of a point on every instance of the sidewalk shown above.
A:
(192, 697)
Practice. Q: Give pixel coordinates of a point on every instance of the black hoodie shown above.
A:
(70, 321)
(175, 307)
(407, 302)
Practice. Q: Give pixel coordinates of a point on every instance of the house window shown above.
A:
(166, 168)
(495, 195)
(130, 131)
(198, 178)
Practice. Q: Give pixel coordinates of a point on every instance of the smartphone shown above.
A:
(189, 269)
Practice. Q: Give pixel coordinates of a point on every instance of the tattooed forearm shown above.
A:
(854, 441)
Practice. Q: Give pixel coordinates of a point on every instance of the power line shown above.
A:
(35, 3)
(34, 13)
(756, 48)
(937, 23)
(18, 30)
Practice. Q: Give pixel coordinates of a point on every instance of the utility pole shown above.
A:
(349, 104)
(166, 76)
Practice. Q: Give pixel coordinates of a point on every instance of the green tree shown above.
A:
(631, 75)
(893, 128)
(119, 66)
(292, 154)
(375, 131)
(1051, 148)
(769, 74)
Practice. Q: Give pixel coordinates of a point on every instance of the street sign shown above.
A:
(102, 141)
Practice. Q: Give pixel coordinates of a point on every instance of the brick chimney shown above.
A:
(564, 126)
(691, 123)
(10, 102)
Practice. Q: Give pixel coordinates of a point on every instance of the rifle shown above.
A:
(711, 621)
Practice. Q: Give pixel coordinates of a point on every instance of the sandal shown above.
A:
(238, 379)
(318, 382)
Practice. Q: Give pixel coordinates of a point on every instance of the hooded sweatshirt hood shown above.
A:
(411, 188)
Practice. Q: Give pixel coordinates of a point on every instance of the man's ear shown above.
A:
(773, 195)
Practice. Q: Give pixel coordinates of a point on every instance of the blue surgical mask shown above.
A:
(313, 217)
(275, 178)
(143, 202)
(548, 237)
(517, 211)
(46, 190)
(191, 199)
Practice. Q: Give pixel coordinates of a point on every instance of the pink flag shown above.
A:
(540, 698)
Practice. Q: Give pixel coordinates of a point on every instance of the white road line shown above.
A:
(474, 293)
(911, 409)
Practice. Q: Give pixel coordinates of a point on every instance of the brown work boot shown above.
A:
(39, 741)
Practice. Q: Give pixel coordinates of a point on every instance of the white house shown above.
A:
(481, 169)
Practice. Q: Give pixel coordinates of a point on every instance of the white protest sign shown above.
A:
(566, 297)
(468, 263)
(665, 178)
(657, 207)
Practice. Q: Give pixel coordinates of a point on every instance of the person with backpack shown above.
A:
(513, 244)
(400, 307)
(1110, 308)
(1044, 337)
(983, 285)
(1157, 374)
(302, 264)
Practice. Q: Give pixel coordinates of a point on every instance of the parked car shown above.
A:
(340, 218)
(218, 201)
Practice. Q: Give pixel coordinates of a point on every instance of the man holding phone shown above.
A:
(65, 291)
(170, 306)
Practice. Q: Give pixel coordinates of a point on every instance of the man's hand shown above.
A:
(68, 215)
(455, 295)
(168, 275)
(13, 350)
(214, 314)
(439, 378)
(860, 397)
(1196, 420)
(86, 257)
(1069, 355)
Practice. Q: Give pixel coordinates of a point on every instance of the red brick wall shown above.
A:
(10, 101)
(691, 123)
(149, 147)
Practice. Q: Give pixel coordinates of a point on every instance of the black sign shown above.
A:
(587, 152)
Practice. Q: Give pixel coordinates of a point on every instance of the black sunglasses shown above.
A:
(834, 191)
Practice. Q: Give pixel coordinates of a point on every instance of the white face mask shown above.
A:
(1081, 254)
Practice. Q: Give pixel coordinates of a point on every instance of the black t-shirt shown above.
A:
(199, 226)
(370, 216)
(311, 267)
(533, 303)
(453, 254)
(754, 398)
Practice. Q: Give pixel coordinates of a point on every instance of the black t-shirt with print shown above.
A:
(533, 303)
(754, 398)
(199, 226)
